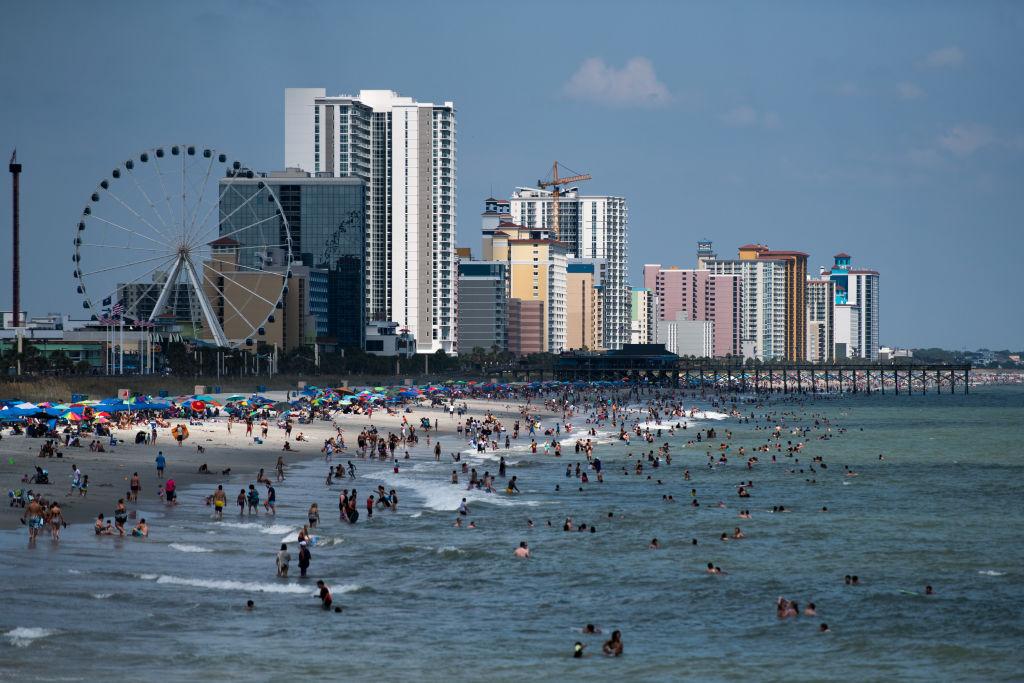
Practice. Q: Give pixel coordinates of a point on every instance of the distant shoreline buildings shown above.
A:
(368, 193)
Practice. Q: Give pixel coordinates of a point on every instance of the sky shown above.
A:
(891, 131)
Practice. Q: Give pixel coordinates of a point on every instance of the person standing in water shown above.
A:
(220, 499)
(283, 559)
(304, 557)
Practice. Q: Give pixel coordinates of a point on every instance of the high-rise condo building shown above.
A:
(592, 226)
(857, 300)
(701, 295)
(821, 320)
(795, 345)
(583, 304)
(404, 151)
(643, 316)
(763, 303)
(536, 266)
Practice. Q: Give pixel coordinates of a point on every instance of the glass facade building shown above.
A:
(327, 226)
(483, 306)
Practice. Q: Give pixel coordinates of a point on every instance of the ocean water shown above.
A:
(426, 601)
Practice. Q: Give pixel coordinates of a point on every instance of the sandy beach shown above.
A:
(109, 472)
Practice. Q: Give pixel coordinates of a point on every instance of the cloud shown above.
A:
(943, 57)
(909, 91)
(966, 138)
(926, 159)
(740, 116)
(745, 116)
(848, 89)
(635, 84)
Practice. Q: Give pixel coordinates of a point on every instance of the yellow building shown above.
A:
(583, 308)
(536, 272)
(796, 294)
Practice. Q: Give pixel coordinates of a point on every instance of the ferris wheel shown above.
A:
(183, 239)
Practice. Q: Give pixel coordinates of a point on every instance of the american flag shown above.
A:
(106, 320)
(118, 309)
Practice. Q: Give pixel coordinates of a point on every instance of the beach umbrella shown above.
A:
(73, 417)
(236, 397)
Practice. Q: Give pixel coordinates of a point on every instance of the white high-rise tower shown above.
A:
(405, 152)
(593, 227)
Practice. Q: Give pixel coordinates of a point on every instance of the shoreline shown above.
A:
(109, 472)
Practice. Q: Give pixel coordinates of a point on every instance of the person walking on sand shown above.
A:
(76, 479)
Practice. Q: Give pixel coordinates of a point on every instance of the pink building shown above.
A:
(701, 295)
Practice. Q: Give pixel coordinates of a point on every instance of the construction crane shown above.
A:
(556, 191)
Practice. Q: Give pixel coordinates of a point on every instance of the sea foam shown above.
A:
(274, 529)
(228, 585)
(991, 572)
(186, 548)
(24, 635)
(447, 497)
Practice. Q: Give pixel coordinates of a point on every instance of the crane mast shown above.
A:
(556, 184)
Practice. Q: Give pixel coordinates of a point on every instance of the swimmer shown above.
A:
(325, 595)
(737, 534)
(141, 530)
(810, 610)
(613, 646)
(590, 629)
(654, 544)
(577, 650)
(523, 551)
